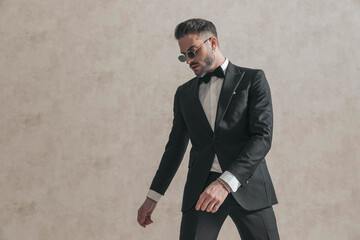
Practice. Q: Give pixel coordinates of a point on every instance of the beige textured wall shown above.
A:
(86, 91)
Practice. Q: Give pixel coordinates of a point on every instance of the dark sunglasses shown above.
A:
(191, 54)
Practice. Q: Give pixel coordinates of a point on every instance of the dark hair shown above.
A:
(194, 25)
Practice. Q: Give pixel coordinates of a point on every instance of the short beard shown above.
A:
(209, 62)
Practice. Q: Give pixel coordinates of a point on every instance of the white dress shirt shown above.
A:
(209, 97)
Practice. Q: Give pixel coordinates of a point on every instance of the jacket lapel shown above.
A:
(232, 79)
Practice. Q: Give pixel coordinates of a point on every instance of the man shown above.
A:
(226, 112)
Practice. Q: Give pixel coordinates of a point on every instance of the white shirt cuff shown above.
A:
(230, 179)
(154, 195)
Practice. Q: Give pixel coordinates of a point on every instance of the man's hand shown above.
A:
(212, 197)
(145, 211)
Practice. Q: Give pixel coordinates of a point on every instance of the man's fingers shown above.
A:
(148, 220)
(140, 217)
(216, 207)
(211, 206)
(214, 210)
(145, 219)
(205, 204)
(141, 220)
(199, 202)
(203, 199)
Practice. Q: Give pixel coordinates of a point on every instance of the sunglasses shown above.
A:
(191, 54)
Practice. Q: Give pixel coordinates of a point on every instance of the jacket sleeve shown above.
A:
(174, 151)
(260, 129)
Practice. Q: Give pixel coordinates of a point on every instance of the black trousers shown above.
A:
(252, 225)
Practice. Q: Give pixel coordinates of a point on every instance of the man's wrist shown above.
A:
(224, 184)
(154, 195)
(231, 180)
(151, 199)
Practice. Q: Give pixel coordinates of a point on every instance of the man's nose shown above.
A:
(189, 60)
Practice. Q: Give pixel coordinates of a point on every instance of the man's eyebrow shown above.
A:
(188, 49)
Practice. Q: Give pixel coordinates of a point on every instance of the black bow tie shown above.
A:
(218, 72)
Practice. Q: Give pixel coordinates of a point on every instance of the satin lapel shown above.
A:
(232, 80)
(195, 104)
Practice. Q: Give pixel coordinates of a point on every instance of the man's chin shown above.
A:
(198, 72)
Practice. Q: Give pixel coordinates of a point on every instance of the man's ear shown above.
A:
(214, 43)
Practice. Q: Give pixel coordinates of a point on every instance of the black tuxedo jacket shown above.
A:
(241, 139)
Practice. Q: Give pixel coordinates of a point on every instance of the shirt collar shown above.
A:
(225, 65)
